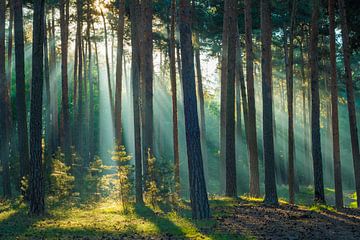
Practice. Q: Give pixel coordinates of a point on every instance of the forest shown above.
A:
(179, 119)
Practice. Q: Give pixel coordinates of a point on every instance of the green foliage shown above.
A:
(124, 176)
(61, 180)
(160, 184)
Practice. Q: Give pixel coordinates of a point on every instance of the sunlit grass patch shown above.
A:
(321, 207)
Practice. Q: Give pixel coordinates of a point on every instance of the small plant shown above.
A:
(61, 180)
(124, 175)
(160, 184)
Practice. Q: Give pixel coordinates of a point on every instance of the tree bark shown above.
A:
(174, 96)
(5, 109)
(119, 72)
(315, 105)
(224, 67)
(350, 99)
(252, 138)
(22, 133)
(108, 67)
(334, 110)
(268, 130)
(290, 95)
(200, 95)
(135, 75)
(64, 80)
(231, 188)
(36, 183)
(198, 195)
(147, 77)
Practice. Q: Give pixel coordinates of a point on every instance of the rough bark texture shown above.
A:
(252, 138)
(174, 96)
(22, 133)
(135, 75)
(350, 99)
(231, 189)
(315, 106)
(119, 72)
(147, 77)
(36, 183)
(198, 195)
(5, 109)
(268, 130)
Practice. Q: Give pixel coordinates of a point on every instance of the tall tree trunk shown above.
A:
(54, 88)
(23, 146)
(119, 72)
(315, 105)
(5, 108)
(231, 188)
(290, 95)
(334, 110)
(304, 109)
(47, 150)
(108, 67)
(198, 195)
(174, 96)
(91, 133)
(200, 94)
(36, 183)
(224, 67)
(252, 138)
(135, 75)
(147, 77)
(79, 121)
(350, 99)
(64, 80)
(268, 130)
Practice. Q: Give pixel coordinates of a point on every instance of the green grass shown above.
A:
(71, 219)
(103, 219)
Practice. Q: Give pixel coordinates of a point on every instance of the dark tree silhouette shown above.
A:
(198, 195)
(36, 183)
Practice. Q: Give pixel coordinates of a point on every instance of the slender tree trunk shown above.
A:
(231, 188)
(290, 95)
(79, 121)
(23, 146)
(64, 80)
(252, 138)
(334, 110)
(135, 75)
(147, 77)
(198, 194)
(350, 99)
(200, 94)
(47, 150)
(315, 104)
(174, 96)
(268, 130)
(304, 109)
(119, 72)
(75, 88)
(54, 104)
(36, 183)
(108, 67)
(5, 109)
(224, 67)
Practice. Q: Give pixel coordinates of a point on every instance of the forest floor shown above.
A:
(242, 218)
